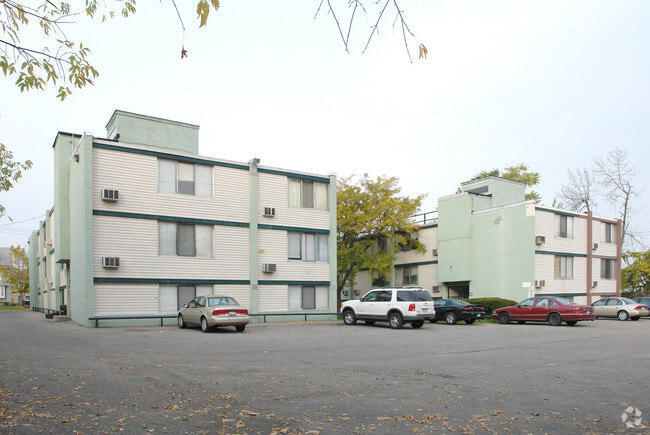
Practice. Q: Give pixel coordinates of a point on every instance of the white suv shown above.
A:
(392, 305)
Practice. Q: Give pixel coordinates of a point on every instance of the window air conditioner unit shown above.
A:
(110, 194)
(436, 289)
(595, 284)
(435, 252)
(595, 245)
(269, 211)
(540, 240)
(268, 268)
(540, 283)
(111, 262)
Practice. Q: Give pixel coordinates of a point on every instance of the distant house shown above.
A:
(488, 241)
(141, 224)
(5, 290)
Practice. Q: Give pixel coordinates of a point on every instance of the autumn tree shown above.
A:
(16, 273)
(10, 171)
(372, 217)
(636, 275)
(519, 173)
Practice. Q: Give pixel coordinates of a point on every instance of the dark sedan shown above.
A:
(453, 310)
(553, 310)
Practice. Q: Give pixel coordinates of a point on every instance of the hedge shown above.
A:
(491, 304)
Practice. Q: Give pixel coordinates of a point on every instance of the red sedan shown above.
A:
(553, 310)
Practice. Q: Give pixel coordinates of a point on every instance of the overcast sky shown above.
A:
(553, 84)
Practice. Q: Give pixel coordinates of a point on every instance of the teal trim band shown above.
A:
(314, 283)
(293, 229)
(170, 281)
(294, 175)
(51, 251)
(422, 263)
(562, 213)
(169, 156)
(169, 218)
(425, 227)
(560, 294)
(63, 287)
(562, 254)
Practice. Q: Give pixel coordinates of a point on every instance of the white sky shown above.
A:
(553, 84)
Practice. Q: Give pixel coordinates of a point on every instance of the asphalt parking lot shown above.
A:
(324, 377)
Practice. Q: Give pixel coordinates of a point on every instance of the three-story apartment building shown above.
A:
(141, 224)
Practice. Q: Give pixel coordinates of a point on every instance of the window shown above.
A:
(563, 267)
(172, 298)
(308, 298)
(607, 232)
(184, 178)
(607, 268)
(186, 240)
(409, 243)
(3, 291)
(564, 226)
(542, 302)
(307, 194)
(407, 275)
(527, 302)
(308, 246)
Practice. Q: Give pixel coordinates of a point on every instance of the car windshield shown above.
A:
(563, 301)
(413, 296)
(628, 301)
(221, 300)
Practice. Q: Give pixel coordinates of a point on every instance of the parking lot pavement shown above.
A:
(323, 377)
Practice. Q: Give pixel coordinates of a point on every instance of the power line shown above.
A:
(26, 220)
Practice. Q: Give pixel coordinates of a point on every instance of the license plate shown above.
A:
(232, 313)
(424, 310)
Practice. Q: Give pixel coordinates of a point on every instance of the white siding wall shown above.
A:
(275, 247)
(544, 270)
(239, 292)
(124, 299)
(604, 248)
(135, 176)
(545, 226)
(273, 298)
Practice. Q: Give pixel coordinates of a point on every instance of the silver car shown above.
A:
(211, 311)
(623, 308)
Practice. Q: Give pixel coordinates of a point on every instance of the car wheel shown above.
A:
(369, 322)
(623, 315)
(451, 318)
(554, 319)
(204, 325)
(470, 321)
(635, 318)
(240, 328)
(417, 324)
(571, 322)
(181, 322)
(395, 320)
(521, 322)
(349, 318)
(504, 317)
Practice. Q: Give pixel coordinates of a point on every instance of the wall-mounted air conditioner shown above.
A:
(595, 245)
(436, 289)
(434, 252)
(540, 240)
(269, 211)
(268, 268)
(540, 283)
(595, 284)
(111, 262)
(110, 195)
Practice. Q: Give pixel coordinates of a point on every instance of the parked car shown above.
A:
(211, 311)
(623, 308)
(553, 310)
(453, 310)
(393, 305)
(643, 300)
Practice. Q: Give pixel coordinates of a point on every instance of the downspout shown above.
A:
(619, 255)
(253, 218)
(590, 254)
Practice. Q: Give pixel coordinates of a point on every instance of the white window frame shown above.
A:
(568, 221)
(607, 267)
(168, 239)
(408, 275)
(308, 194)
(168, 295)
(169, 174)
(308, 297)
(607, 232)
(313, 246)
(563, 267)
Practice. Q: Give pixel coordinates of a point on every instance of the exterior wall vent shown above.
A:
(540, 283)
(110, 195)
(540, 240)
(269, 211)
(269, 268)
(111, 262)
